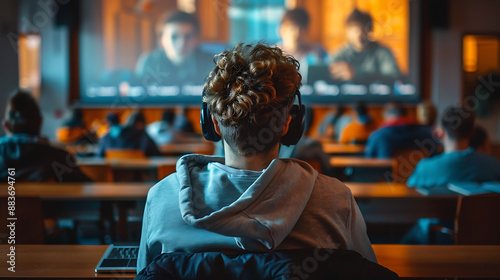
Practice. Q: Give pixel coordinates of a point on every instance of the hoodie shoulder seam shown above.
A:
(243, 212)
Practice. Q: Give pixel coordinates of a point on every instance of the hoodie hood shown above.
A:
(262, 208)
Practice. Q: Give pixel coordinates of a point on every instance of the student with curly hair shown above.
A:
(250, 200)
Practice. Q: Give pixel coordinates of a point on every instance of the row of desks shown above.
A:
(137, 191)
(196, 146)
(408, 261)
(205, 147)
(379, 202)
(155, 162)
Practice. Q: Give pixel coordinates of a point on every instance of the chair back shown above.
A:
(124, 153)
(478, 220)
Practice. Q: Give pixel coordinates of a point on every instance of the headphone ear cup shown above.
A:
(207, 125)
(296, 127)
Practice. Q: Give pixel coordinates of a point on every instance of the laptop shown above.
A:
(492, 186)
(119, 258)
(320, 72)
(467, 188)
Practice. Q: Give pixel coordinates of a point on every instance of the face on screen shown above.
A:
(179, 40)
(356, 36)
(290, 33)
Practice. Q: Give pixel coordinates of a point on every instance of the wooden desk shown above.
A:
(88, 149)
(379, 202)
(389, 191)
(135, 191)
(346, 161)
(82, 191)
(110, 192)
(397, 203)
(57, 262)
(140, 163)
(206, 148)
(441, 262)
(343, 149)
(409, 261)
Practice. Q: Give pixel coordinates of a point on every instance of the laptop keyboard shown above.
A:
(123, 253)
(121, 257)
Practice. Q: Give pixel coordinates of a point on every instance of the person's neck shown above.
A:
(256, 162)
(455, 145)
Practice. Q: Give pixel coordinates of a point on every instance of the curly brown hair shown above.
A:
(250, 92)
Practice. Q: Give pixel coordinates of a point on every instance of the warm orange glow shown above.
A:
(391, 25)
(470, 53)
(29, 63)
(480, 53)
(188, 6)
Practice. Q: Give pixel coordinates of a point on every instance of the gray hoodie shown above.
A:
(207, 206)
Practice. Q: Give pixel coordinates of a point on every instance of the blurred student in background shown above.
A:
(182, 122)
(24, 150)
(459, 162)
(399, 132)
(178, 60)
(131, 136)
(136, 120)
(363, 60)
(480, 140)
(358, 130)
(293, 30)
(73, 130)
(164, 131)
(427, 114)
(334, 122)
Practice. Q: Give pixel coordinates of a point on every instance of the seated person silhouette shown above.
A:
(293, 32)
(178, 60)
(74, 131)
(183, 124)
(250, 200)
(427, 114)
(459, 162)
(25, 150)
(363, 60)
(358, 130)
(131, 136)
(163, 131)
(399, 132)
(480, 140)
(334, 123)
